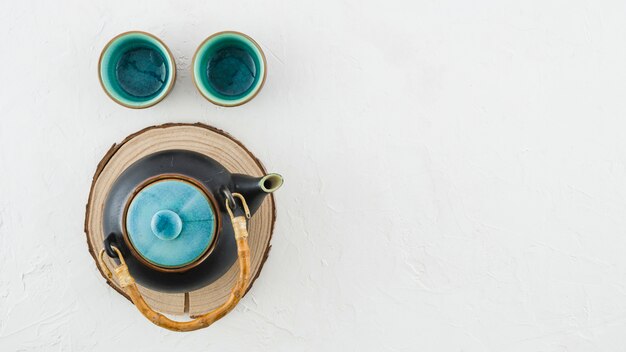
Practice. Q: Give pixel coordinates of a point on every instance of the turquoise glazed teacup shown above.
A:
(136, 69)
(229, 68)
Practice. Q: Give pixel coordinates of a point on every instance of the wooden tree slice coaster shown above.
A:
(202, 139)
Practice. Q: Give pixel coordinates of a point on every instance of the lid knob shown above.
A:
(166, 225)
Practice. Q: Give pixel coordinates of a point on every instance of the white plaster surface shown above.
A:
(455, 173)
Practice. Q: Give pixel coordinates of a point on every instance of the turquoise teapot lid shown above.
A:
(171, 223)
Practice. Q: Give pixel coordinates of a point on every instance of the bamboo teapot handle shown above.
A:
(127, 282)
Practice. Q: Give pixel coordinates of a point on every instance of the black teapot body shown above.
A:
(167, 215)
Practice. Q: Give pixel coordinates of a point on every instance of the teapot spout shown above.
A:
(254, 189)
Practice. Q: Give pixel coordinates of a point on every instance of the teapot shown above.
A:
(177, 221)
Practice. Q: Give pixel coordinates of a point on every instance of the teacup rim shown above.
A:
(153, 101)
(247, 98)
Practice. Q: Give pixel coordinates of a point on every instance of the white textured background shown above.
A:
(455, 173)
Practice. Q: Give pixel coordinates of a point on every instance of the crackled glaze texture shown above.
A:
(231, 71)
(141, 72)
(136, 70)
(229, 68)
(171, 223)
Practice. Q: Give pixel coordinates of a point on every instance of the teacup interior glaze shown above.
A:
(229, 68)
(136, 69)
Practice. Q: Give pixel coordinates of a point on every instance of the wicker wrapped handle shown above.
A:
(127, 282)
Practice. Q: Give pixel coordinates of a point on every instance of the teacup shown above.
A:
(229, 68)
(136, 69)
